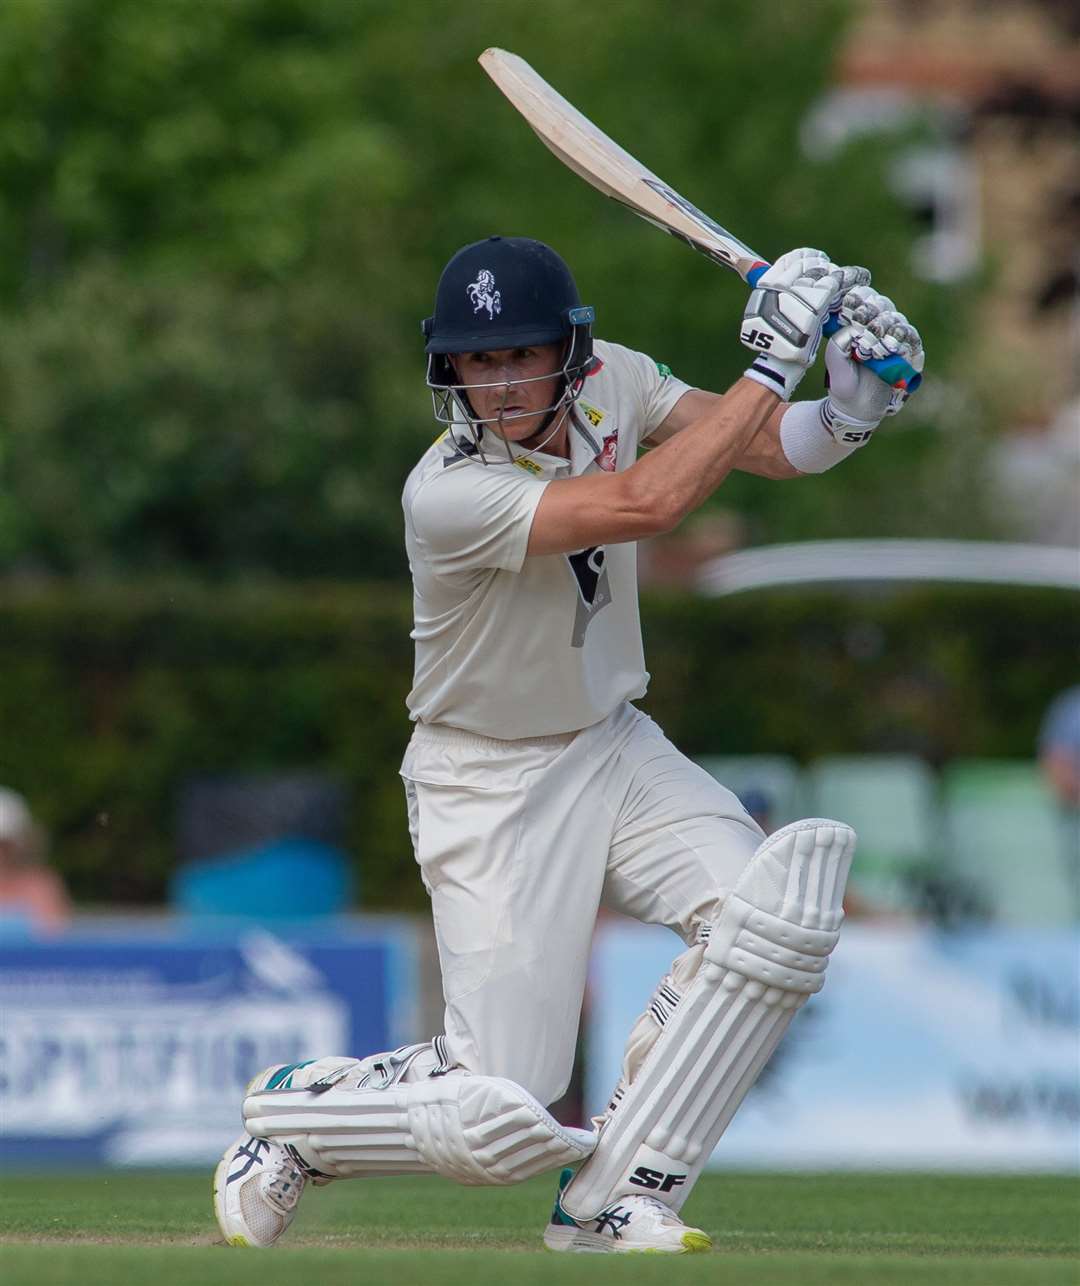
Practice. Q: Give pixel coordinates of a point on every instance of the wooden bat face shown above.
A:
(600, 161)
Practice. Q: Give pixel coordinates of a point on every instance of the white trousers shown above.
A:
(520, 842)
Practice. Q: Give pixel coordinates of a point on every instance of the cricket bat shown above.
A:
(601, 162)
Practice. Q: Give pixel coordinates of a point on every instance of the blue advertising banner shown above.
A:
(954, 1051)
(133, 1045)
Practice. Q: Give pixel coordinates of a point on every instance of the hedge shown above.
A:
(111, 697)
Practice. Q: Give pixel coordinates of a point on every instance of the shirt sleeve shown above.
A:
(473, 516)
(655, 387)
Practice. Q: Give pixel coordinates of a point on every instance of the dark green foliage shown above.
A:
(220, 224)
(110, 699)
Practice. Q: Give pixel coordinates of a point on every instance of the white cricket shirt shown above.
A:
(510, 646)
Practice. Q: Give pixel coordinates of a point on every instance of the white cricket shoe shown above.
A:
(257, 1187)
(632, 1224)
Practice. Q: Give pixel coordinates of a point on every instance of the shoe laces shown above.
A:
(283, 1186)
(666, 1213)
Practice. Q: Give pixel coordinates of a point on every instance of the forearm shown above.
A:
(792, 441)
(677, 476)
(764, 456)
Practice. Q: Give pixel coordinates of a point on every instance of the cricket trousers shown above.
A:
(519, 843)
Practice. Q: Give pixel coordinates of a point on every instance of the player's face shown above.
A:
(514, 387)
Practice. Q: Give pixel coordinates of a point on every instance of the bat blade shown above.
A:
(601, 162)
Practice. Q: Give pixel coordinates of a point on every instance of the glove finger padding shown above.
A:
(794, 263)
(861, 304)
(888, 334)
(850, 276)
(858, 401)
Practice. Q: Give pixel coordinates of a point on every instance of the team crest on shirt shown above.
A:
(609, 452)
(483, 295)
(606, 450)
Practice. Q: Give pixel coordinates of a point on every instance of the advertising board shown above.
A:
(133, 1046)
(924, 1050)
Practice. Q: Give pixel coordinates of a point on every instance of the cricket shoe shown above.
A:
(257, 1187)
(634, 1224)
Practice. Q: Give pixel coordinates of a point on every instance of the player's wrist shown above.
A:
(808, 442)
(777, 376)
(844, 426)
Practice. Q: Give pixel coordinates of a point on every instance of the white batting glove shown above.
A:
(785, 313)
(858, 400)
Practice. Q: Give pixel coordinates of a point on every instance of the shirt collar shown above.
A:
(537, 464)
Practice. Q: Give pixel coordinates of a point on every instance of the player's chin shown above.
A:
(519, 429)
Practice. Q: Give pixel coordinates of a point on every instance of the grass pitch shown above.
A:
(791, 1230)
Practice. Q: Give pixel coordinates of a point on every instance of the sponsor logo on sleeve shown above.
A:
(592, 413)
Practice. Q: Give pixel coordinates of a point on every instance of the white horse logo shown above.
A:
(483, 294)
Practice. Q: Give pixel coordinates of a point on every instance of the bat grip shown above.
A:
(895, 371)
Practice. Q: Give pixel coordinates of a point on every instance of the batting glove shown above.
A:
(785, 313)
(871, 327)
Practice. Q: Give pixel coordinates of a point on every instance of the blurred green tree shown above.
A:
(221, 220)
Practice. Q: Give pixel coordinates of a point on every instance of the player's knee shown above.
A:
(706, 912)
(556, 1086)
(545, 1085)
(546, 1078)
(716, 880)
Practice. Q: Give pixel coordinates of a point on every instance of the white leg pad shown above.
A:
(473, 1129)
(766, 955)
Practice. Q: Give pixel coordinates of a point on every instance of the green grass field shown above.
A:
(795, 1230)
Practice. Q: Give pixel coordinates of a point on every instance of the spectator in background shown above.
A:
(759, 806)
(1059, 758)
(32, 895)
(1059, 747)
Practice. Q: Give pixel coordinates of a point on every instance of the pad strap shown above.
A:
(473, 1129)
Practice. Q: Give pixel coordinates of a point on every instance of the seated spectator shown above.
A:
(1059, 747)
(1059, 759)
(759, 806)
(32, 895)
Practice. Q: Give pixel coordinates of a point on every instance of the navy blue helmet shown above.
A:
(505, 292)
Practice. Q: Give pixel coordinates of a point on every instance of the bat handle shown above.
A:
(895, 371)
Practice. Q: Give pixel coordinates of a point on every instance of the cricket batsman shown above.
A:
(536, 789)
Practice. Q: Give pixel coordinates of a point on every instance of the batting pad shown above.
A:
(472, 1129)
(766, 955)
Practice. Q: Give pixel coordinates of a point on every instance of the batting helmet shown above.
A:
(507, 292)
(504, 292)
